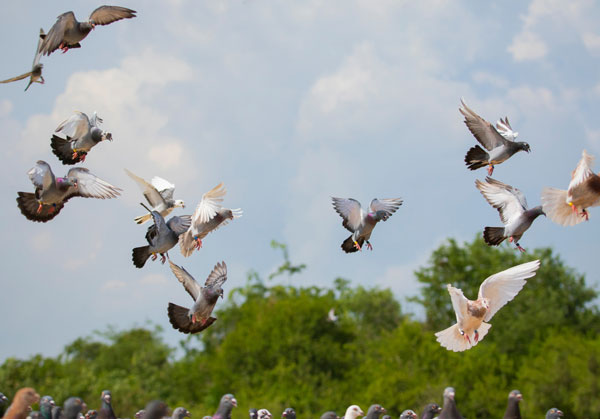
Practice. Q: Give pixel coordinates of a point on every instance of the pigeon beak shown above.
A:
(234, 402)
(520, 396)
(52, 403)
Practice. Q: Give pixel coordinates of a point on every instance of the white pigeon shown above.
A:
(353, 412)
(472, 317)
(159, 194)
(331, 316)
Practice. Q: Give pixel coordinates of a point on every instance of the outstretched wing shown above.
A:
(41, 175)
(188, 281)
(583, 170)
(218, 276)
(179, 224)
(164, 187)
(209, 205)
(350, 211)
(153, 197)
(89, 185)
(459, 302)
(21, 77)
(76, 126)
(104, 15)
(481, 129)
(510, 202)
(56, 33)
(389, 205)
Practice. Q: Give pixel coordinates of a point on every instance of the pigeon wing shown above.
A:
(76, 126)
(188, 281)
(90, 186)
(510, 202)
(459, 302)
(21, 77)
(41, 175)
(164, 187)
(218, 276)
(209, 205)
(350, 211)
(104, 15)
(481, 129)
(38, 54)
(56, 34)
(179, 224)
(502, 287)
(583, 170)
(389, 205)
(153, 197)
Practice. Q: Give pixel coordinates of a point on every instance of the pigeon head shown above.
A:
(179, 203)
(96, 134)
(106, 396)
(229, 400)
(180, 413)
(449, 393)
(554, 413)
(486, 303)
(353, 412)
(107, 136)
(330, 415)
(156, 409)
(66, 181)
(515, 395)
(408, 414)
(253, 413)
(264, 414)
(140, 414)
(289, 413)
(379, 216)
(433, 408)
(3, 399)
(375, 410)
(523, 146)
(46, 405)
(91, 414)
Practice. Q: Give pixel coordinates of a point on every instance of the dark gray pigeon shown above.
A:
(554, 413)
(56, 412)
(180, 413)
(140, 414)
(512, 207)
(51, 193)
(226, 405)
(106, 410)
(431, 410)
(91, 414)
(35, 75)
(156, 409)
(67, 31)
(46, 405)
(408, 414)
(512, 410)
(197, 318)
(498, 141)
(375, 410)
(161, 238)
(159, 194)
(253, 413)
(35, 414)
(361, 224)
(73, 407)
(82, 133)
(330, 415)
(289, 413)
(449, 411)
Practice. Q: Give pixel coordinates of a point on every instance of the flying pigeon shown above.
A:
(408, 414)
(554, 413)
(51, 193)
(226, 405)
(431, 410)
(353, 412)
(472, 316)
(563, 207)
(67, 31)
(180, 413)
(253, 413)
(209, 216)
(106, 410)
(512, 206)
(161, 238)
(450, 411)
(331, 316)
(361, 224)
(512, 410)
(330, 415)
(499, 141)
(197, 318)
(82, 134)
(91, 414)
(21, 404)
(35, 75)
(289, 413)
(264, 414)
(375, 410)
(156, 409)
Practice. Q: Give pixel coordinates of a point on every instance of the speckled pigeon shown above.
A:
(106, 410)
(264, 414)
(67, 31)
(353, 412)
(375, 410)
(408, 414)
(512, 409)
(82, 133)
(209, 216)
(568, 207)
(431, 410)
(554, 413)
(499, 141)
(226, 405)
(91, 414)
(180, 413)
(361, 224)
(156, 409)
(512, 207)
(161, 238)
(472, 317)
(289, 413)
(449, 411)
(330, 415)
(159, 194)
(51, 193)
(21, 404)
(73, 407)
(35, 75)
(198, 317)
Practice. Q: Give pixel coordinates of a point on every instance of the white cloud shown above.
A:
(154, 279)
(591, 40)
(528, 46)
(113, 284)
(6, 107)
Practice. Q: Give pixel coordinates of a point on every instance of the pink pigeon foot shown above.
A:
(82, 158)
(154, 256)
(357, 246)
(520, 248)
(198, 243)
(510, 239)
(163, 258)
(39, 208)
(369, 246)
(468, 339)
(490, 169)
(476, 336)
(585, 214)
(51, 210)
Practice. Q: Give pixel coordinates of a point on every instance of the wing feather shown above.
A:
(459, 302)
(90, 186)
(188, 281)
(389, 205)
(218, 276)
(104, 15)
(41, 175)
(180, 224)
(76, 126)
(482, 130)
(153, 197)
(21, 77)
(509, 201)
(209, 205)
(56, 33)
(350, 211)
(583, 170)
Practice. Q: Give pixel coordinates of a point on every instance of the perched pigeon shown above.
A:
(209, 216)
(353, 412)
(140, 414)
(82, 134)
(431, 410)
(331, 316)
(472, 316)
(375, 410)
(361, 224)
(46, 405)
(408, 414)
(91, 414)
(330, 415)
(159, 194)
(180, 413)
(264, 414)
(21, 404)
(57, 412)
(106, 410)
(161, 238)
(563, 207)
(554, 413)
(73, 407)
(450, 411)
(35, 75)
(67, 31)
(156, 409)
(499, 141)
(253, 413)
(34, 415)
(512, 410)
(226, 405)
(3, 404)
(289, 413)
(512, 206)
(386, 417)
(197, 318)
(51, 193)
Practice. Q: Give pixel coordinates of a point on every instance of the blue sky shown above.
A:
(288, 104)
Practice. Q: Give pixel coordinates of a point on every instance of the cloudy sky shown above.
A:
(288, 104)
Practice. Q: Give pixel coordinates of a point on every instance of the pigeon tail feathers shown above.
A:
(28, 204)
(452, 340)
(142, 218)
(63, 150)
(554, 204)
(348, 245)
(140, 255)
(476, 158)
(493, 236)
(186, 243)
(179, 319)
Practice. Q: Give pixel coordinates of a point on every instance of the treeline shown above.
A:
(273, 347)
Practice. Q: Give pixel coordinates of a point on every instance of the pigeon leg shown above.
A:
(490, 169)
(194, 318)
(43, 81)
(585, 214)
(574, 208)
(369, 246)
(64, 48)
(198, 243)
(510, 239)
(468, 339)
(476, 336)
(40, 206)
(74, 157)
(163, 259)
(154, 256)
(357, 245)
(520, 248)
(82, 158)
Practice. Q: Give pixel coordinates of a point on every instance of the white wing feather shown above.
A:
(350, 210)
(77, 126)
(459, 302)
(209, 205)
(510, 202)
(582, 171)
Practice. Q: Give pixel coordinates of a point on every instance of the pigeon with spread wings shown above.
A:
(159, 194)
(472, 317)
(198, 317)
(82, 134)
(35, 75)
(361, 224)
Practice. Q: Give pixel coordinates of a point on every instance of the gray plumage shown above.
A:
(156, 409)
(498, 141)
(361, 224)
(106, 410)
(67, 32)
(91, 414)
(82, 134)
(512, 409)
(431, 410)
(253, 413)
(226, 405)
(3, 404)
(180, 413)
(289, 413)
(73, 407)
(198, 317)
(159, 194)
(51, 193)
(46, 405)
(512, 207)
(408, 414)
(554, 413)
(375, 410)
(330, 415)
(35, 75)
(161, 238)
(449, 411)
(56, 412)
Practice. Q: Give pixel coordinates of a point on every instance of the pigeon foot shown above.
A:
(154, 256)
(40, 206)
(357, 246)
(198, 244)
(585, 214)
(476, 336)
(74, 156)
(163, 258)
(490, 169)
(520, 248)
(369, 246)
(510, 239)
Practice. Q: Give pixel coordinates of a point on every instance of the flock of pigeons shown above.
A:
(74, 408)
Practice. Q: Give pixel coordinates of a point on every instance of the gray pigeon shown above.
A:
(73, 407)
(161, 238)
(197, 318)
(180, 413)
(159, 194)
(209, 216)
(46, 405)
(253, 413)
(499, 141)
(512, 206)
(82, 134)
(330, 415)
(431, 410)
(106, 410)
(156, 409)
(51, 193)
(226, 405)
(3, 404)
(449, 411)
(67, 31)
(361, 224)
(408, 414)
(91, 414)
(57, 412)
(289, 413)
(35, 75)
(512, 410)
(554, 413)
(375, 410)
(584, 191)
